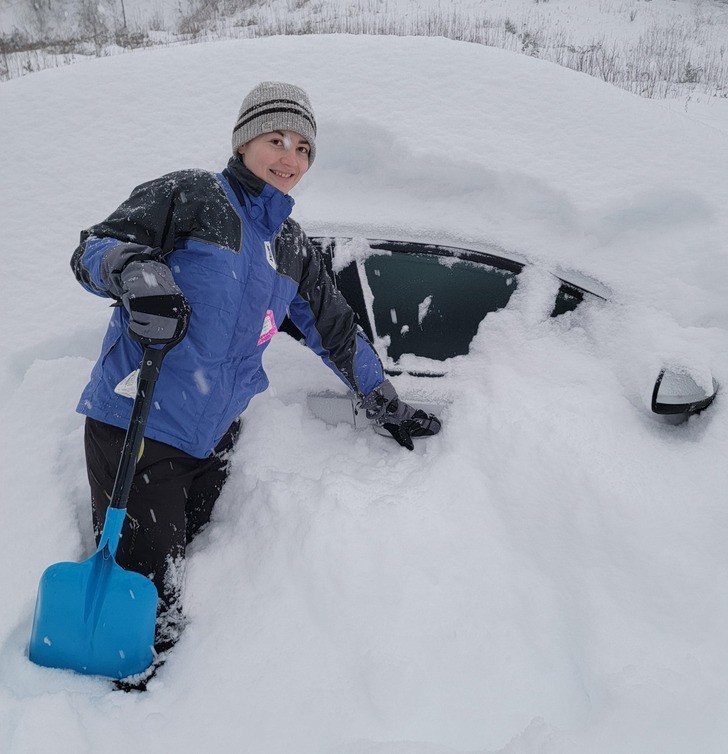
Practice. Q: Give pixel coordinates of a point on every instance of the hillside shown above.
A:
(660, 48)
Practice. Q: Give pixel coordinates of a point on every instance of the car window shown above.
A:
(567, 299)
(431, 304)
(425, 299)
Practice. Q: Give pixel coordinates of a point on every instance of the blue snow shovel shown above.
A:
(95, 617)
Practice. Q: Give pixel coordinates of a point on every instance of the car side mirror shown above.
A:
(678, 395)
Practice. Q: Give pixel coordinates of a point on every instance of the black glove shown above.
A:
(158, 310)
(384, 407)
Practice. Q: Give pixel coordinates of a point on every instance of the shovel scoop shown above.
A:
(95, 617)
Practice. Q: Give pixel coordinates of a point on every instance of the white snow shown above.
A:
(549, 574)
(423, 309)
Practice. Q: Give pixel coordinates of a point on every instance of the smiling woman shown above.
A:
(210, 263)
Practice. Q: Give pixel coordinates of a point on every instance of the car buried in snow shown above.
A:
(421, 302)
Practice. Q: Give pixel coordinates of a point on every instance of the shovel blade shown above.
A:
(94, 617)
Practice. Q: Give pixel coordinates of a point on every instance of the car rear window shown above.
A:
(431, 305)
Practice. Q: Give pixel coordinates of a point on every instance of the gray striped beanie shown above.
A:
(275, 106)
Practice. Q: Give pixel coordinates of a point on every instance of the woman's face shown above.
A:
(279, 158)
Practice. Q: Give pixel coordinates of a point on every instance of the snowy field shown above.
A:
(550, 573)
(672, 49)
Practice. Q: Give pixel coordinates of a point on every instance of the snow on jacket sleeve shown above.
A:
(147, 225)
(327, 321)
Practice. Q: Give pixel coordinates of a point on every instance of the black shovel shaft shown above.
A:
(148, 374)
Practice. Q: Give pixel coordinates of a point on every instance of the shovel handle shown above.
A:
(148, 374)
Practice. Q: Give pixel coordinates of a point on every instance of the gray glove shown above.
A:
(384, 407)
(158, 310)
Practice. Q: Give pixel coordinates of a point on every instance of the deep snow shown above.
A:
(546, 575)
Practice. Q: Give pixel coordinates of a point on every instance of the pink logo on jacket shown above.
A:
(269, 328)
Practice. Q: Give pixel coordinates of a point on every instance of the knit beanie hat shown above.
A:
(275, 106)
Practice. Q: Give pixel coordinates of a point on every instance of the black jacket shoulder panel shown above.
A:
(183, 204)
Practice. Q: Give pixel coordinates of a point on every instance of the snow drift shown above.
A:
(549, 573)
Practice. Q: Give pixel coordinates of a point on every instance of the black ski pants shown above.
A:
(171, 499)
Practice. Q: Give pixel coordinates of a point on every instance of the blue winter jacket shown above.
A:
(243, 265)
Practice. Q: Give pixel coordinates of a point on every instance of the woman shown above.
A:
(214, 258)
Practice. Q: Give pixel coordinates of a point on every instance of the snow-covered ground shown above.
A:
(550, 573)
